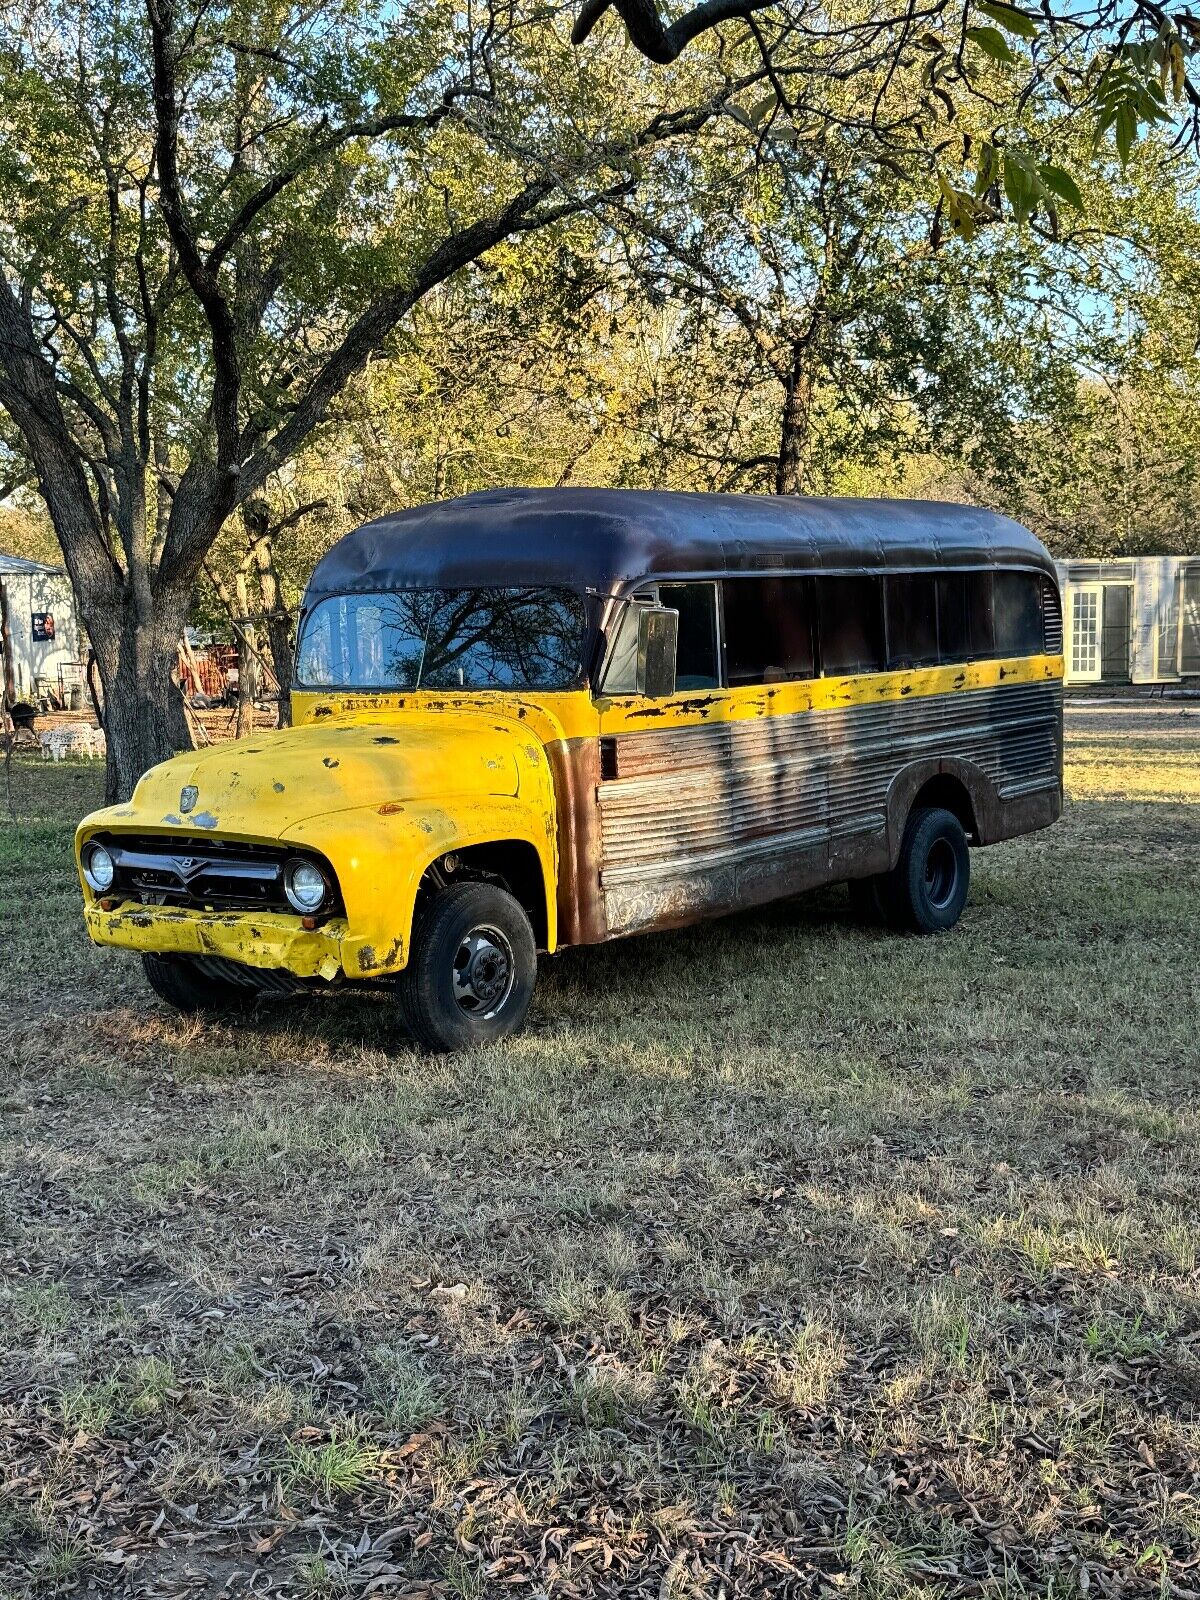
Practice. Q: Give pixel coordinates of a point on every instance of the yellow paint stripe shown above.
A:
(574, 714)
(632, 714)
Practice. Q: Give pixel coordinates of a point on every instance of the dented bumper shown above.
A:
(258, 939)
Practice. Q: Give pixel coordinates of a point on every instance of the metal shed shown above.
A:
(44, 629)
(1132, 621)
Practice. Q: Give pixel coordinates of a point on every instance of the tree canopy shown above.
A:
(332, 256)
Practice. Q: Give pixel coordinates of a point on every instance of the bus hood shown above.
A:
(261, 787)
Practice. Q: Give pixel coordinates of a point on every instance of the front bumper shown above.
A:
(258, 939)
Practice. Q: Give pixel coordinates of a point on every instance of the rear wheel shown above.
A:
(471, 971)
(927, 888)
(182, 983)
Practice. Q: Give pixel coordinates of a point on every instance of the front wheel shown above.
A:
(927, 888)
(471, 971)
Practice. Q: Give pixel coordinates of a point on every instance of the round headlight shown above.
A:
(98, 867)
(304, 886)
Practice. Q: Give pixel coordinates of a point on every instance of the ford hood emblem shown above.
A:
(188, 796)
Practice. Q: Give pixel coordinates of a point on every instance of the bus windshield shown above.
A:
(444, 639)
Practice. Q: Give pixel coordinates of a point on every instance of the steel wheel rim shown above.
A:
(483, 972)
(941, 873)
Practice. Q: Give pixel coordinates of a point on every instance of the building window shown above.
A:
(912, 635)
(768, 630)
(964, 602)
(696, 658)
(850, 622)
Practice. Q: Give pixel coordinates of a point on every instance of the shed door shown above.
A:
(1085, 604)
(1115, 647)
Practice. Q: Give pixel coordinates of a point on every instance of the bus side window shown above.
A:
(850, 613)
(696, 656)
(768, 629)
(911, 602)
(1017, 601)
(964, 616)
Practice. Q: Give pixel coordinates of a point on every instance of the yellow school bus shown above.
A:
(537, 718)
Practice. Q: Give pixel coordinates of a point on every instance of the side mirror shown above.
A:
(658, 636)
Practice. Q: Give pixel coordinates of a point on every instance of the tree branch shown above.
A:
(645, 27)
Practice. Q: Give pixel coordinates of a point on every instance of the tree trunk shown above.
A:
(278, 625)
(247, 649)
(144, 717)
(792, 471)
(8, 700)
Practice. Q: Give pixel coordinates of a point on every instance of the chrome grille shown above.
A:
(200, 873)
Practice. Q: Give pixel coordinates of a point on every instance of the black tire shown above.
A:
(927, 888)
(182, 983)
(471, 970)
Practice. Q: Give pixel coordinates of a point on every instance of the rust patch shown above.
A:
(366, 958)
(331, 761)
(322, 711)
(575, 767)
(390, 807)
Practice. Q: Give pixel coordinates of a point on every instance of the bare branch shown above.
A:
(645, 27)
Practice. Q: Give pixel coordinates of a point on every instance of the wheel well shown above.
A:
(513, 863)
(952, 795)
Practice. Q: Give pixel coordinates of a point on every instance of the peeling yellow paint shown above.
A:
(380, 797)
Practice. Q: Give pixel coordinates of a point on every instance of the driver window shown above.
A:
(620, 670)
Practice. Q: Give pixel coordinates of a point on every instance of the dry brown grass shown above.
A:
(777, 1257)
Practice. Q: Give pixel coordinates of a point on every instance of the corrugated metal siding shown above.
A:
(694, 800)
(1052, 622)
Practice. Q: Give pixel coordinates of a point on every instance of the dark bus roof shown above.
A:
(609, 540)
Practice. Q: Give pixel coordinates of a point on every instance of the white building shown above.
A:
(44, 628)
(1132, 621)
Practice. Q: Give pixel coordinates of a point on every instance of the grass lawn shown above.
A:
(779, 1257)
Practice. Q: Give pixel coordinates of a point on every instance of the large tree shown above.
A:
(212, 215)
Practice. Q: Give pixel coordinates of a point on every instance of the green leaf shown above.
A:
(1018, 22)
(1126, 130)
(1020, 185)
(1062, 184)
(992, 42)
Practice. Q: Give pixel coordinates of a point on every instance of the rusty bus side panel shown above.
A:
(703, 819)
